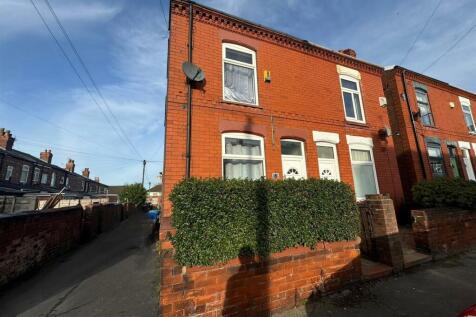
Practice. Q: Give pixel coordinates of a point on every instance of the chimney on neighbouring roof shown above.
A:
(70, 166)
(86, 172)
(349, 51)
(46, 156)
(6, 139)
(96, 179)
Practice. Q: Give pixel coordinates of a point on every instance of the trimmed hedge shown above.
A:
(217, 220)
(445, 192)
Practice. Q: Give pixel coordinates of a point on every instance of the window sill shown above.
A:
(356, 124)
(243, 104)
(472, 133)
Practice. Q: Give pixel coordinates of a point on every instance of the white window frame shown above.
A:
(336, 158)
(467, 103)
(9, 173)
(36, 175)
(25, 170)
(245, 136)
(238, 63)
(44, 178)
(364, 144)
(53, 180)
(351, 91)
(302, 157)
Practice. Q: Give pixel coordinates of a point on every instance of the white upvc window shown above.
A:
(25, 170)
(352, 99)
(293, 159)
(239, 74)
(36, 175)
(9, 173)
(44, 178)
(53, 180)
(468, 114)
(363, 166)
(243, 156)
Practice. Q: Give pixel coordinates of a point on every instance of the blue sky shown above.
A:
(124, 45)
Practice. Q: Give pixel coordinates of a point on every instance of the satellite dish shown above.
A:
(193, 72)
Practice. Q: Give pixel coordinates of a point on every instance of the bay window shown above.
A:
(239, 74)
(243, 156)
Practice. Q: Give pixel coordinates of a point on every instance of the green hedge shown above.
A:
(445, 192)
(217, 219)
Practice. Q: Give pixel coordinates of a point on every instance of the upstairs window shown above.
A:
(468, 115)
(25, 170)
(239, 74)
(352, 99)
(243, 156)
(44, 178)
(8, 174)
(424, 106)
(53, 180)
(36, 175)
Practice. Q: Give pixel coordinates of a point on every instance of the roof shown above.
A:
(156, 188)
(116, 189)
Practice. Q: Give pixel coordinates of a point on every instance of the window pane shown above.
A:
(466, 108)
(422, 97)
(434, 152)
(358, 108)
(361, 156)
(436, 160)
(242, 146)
(364, 180)
(469, 121)
(242, 169)
(291, 148)
(239, 84)
(239, 56)
(349, 106)
(349, 84)
(325, 152)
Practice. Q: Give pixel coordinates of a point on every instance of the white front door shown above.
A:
(467, 164)
(293, 159)
(327, 161)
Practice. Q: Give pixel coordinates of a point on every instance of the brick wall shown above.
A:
(29, 240)
(444, 231)
(248, 287)
(449, 124)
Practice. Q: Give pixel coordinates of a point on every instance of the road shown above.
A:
(442, 288)
(113, 275)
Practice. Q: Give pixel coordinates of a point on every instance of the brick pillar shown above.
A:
(381, 228)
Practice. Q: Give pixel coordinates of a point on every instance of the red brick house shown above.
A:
(436, 134)
(273, 106)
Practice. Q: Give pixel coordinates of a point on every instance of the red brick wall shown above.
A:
(444, 231)
(244, 287)
(449, 124)
(29, 240)
(304, 95)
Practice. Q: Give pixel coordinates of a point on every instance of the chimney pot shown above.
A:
(349, 52)
(46, 156)
(70, 166)
(86, 172)
(6, 139)
(96, 179)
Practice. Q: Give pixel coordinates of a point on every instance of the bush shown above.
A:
(133, 194)
(445, 192)
(216, 219)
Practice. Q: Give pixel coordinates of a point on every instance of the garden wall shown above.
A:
(444, 231)
(249, 287)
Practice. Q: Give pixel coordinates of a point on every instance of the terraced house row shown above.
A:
(268, 104)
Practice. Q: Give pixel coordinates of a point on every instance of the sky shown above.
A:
(123, 44)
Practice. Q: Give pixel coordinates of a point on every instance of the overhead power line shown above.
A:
(163, 15)
(421, 32)
(461, 38)
(75, 70)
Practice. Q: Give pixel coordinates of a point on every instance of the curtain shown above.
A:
(243, 169)
(361, 155)
(239, 84)
(242, 146)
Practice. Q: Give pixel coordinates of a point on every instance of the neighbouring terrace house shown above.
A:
(272, 105)
(433, 123)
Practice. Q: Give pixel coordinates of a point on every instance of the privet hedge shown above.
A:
(217, 219)
(445, 192)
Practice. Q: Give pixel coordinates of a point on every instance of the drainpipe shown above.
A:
(407, 100)
(189, 100)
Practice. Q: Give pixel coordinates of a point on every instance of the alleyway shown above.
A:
(113, 275)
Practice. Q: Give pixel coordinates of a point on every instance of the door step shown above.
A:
(373, 270)
(413, 258)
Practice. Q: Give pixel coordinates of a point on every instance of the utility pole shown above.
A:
(143, 171)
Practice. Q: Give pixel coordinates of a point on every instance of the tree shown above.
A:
(134, 194)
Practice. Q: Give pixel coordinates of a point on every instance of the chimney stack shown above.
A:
(86, 172)
(6, 139)
(349, 51)
(46, 156)
(96, 179)
(70, 166)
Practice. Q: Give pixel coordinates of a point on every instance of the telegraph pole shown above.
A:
(143, 171)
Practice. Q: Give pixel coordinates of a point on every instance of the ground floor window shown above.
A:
(243, 156)
(454, 159)
(363, 166)
(435, 157)
(327, 161)
(293, 159)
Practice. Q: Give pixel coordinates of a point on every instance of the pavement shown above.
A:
(113, 275)
(444, 288)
